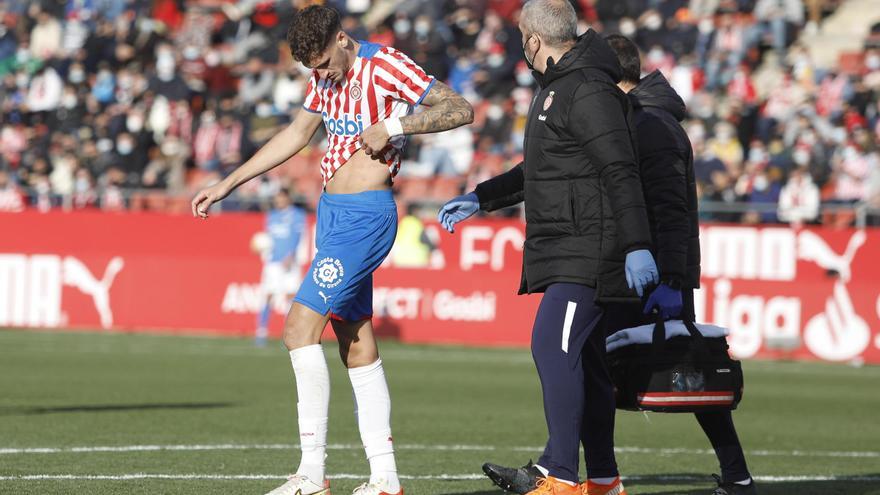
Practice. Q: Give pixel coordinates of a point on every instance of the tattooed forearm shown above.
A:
(446, 110)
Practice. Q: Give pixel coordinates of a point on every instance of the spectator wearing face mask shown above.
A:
(705, 163)
(461, 75)
(193, 69)
(765, 190)
(799, 199)
(131, 156)
(219, 81)
(69, 114)
(429, 47)
(167, 82)
(496, 127)
(84, 194)
(726, 147)
(851, 169)
(256, 82)
(104, 89)
(651, 33)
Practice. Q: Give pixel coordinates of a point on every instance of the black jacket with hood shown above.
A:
(666, 162)
(579, 178)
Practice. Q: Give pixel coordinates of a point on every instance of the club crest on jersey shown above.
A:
(354, 91)
(328, 273)
(549, 100)
(346, 126)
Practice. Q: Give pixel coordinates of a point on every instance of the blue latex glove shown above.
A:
(667, 301)
(458, 209)
(641, 270)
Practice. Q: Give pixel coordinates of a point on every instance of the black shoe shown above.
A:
(517, 480)
(733, 488)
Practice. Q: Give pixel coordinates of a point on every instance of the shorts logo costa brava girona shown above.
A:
(345, 126)
(328, 273)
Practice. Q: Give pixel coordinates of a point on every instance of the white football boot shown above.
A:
(300, 485)
(374, 489)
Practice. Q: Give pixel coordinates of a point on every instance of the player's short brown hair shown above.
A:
(311, 31)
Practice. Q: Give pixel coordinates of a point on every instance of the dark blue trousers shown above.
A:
(568, 346)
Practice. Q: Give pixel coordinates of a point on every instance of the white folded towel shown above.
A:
(645, 334)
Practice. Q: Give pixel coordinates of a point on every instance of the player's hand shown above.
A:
(641, 270)
(374, 139)
(206, 197)
(458, 209)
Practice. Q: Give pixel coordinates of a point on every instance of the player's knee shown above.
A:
(290, 337)
(300, 332)
(357, 356)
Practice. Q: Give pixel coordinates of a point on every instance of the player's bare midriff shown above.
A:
(360, 173)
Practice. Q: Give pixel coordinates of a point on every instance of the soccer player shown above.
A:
(364, 95)
(281, 273)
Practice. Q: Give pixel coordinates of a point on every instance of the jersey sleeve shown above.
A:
(313, 101)
(398, 77)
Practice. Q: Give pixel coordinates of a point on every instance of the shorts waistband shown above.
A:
(384, 198)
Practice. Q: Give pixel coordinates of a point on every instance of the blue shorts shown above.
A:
(355, 233)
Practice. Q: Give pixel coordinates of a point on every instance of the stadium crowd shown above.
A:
(133, 104)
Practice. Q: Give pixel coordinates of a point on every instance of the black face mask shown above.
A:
(529, 63)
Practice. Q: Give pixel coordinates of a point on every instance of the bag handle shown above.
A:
(658, 338)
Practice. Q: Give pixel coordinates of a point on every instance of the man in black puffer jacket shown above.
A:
(587, 234)
(667, 172)
(667, 169)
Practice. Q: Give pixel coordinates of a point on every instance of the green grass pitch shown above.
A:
(134, 414)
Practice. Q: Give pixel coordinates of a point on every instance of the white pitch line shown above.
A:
(422, 447)
(447, 477)
(153, 476)
(755, 453)
(763, 479)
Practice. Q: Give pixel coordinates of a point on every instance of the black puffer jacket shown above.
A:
(667, 167)
(579, 180)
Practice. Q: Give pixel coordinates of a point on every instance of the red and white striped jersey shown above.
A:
(383, 83)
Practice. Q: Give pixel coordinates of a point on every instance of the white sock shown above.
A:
(603, 481)
(569, 483)
(313, 402)
(543, 470)
(743, 482)
(372, 408)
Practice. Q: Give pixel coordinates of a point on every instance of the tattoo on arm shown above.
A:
(446, 110)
